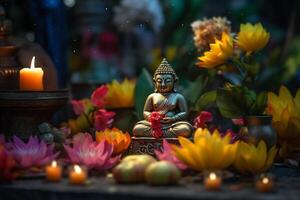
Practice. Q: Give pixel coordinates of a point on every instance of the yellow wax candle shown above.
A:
(212, 181)
(77, 175)
(53, 172)
(264, 184)
(31, 78)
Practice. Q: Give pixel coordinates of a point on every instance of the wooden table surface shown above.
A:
(287, 187)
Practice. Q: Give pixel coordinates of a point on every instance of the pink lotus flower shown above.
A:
(98, 95)
(83, 106)
(35, 153)
(103, 119)
(90, 153)
(201, 120)
(78, 107)
(169, 155)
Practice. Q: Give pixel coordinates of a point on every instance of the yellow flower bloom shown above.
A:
(285, 111)
(208, 152)
(206, 30)
(219, 52)
(120, 95)
(252, 37)
(254, 159)
(116, 137)
(80, 124)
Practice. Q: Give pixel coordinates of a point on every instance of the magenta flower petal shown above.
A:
(168, 155)
(98, 95)
(103, 119)
(34, 153)
(78, 107)
(203, 118)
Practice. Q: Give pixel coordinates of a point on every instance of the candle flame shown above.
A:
(32, 65)
(212, 176)
(54, 163)
(77, 169)
(265, 180)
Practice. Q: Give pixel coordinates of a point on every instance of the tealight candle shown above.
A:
(77, 175)
(264, 184)
(212, 181)
(53, 172)
(31, 78)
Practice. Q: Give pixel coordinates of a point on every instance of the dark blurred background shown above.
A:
(95, 41)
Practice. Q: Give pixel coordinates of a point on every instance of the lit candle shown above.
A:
(53, 172)
(77, 175)
(31, 78)
(264, 184)
(212, 181)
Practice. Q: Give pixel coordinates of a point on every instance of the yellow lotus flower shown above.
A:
(254, 159)
(80, 124)
(120, 95)
(252, 37)
(219, 52)
(116, 137)
(285, 111)
(208, 152)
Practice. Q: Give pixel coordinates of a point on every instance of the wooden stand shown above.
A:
(147, 145)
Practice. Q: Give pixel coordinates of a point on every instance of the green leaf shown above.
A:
(195, 89)
(228, 104)
(261, 103)
(206, 99)
(144, 87)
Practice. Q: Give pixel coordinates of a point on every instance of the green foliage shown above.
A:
(194, 89)
(205, 100)
(239, 101)
(144, 87)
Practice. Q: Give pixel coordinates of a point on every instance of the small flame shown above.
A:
(32, 65)
(54, 163)
(77, 169)
(212, 176)
(265, 180)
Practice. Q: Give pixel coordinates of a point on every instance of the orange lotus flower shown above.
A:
(119, 139)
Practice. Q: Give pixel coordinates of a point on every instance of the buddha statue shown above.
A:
(168, 104)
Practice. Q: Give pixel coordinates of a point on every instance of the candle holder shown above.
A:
(53, 171)
(265, 183)
(22, 111)
(212, 180)
(78, 175)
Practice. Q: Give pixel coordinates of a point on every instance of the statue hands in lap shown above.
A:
(168, 105)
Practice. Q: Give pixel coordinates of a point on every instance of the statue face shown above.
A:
(164, 83)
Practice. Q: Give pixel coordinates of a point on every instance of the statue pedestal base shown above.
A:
(147, 145)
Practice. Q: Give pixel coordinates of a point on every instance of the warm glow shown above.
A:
(212, 176)
(54, 163)
(77, 169)
(32, 65)
(265, 181)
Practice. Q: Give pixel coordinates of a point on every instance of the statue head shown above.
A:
(164, 78)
